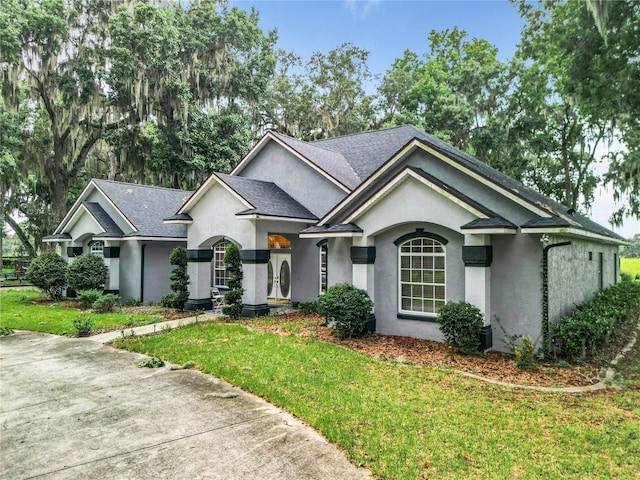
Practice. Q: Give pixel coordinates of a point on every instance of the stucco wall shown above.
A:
(572, 286)
(305, 185)
(516, 288)
(130, 258)
(386, 280)
(156, 270)
(339, 261)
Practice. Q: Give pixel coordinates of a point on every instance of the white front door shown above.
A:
(279, 276)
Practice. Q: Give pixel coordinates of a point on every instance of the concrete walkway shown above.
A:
(76, 409)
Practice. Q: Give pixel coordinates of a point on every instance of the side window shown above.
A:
(324, 251)
(220, 276)
(422, 276)
(96, 248)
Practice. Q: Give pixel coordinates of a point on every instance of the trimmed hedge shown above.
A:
(588, 327)
(49, 273)
(348, 306)
(460, 324)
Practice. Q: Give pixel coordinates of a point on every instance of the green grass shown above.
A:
(18, 310)
(408, 422)
(630, 266)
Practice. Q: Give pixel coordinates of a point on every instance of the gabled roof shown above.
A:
(372, 152)
(265, 198)
(140, 207)
(145, 207)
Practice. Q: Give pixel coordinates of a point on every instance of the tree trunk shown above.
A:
(15, 226)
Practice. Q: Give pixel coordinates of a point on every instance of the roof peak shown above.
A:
(138, 185)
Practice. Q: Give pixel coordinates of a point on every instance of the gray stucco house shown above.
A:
(123, 223)
(397, 212)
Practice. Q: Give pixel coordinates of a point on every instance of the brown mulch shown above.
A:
(492, 365)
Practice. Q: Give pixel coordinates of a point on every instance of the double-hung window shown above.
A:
(220, 273)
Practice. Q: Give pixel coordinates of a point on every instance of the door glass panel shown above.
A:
(269, 278)
(285, 279)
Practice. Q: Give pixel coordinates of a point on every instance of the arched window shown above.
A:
(220, 276)
(96, 248)
(422, 288)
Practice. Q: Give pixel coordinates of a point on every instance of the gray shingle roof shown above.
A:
(368, 151)
(111, 229)
(266, 198)
(332, 162)
(146, 207)
(342, 228)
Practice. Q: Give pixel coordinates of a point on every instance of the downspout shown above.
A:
(546, 340)
(144, 245)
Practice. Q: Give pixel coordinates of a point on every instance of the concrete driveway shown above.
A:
(73, 408)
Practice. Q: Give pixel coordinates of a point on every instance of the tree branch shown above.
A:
(15, 226)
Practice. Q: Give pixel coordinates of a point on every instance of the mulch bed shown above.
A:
(493, 365)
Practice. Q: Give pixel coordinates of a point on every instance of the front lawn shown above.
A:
(404, 421)
(630, 266)
(29, 310)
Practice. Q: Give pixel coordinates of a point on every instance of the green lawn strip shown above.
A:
(630, 266)
(406, 422)
(18, 311)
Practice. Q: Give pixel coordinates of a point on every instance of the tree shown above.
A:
(589, 51)
(233, 296)
(179, 278)
(49, 273)
(87, 272)
(323, 98)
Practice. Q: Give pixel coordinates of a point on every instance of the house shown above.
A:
(397, 212)
(403, 215)
(123, 223)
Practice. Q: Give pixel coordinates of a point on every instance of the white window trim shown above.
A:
(99, 253)
(214, 267)
(402, 311)
(325, 246)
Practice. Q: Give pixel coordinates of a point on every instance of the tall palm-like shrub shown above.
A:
(233, 296)
(179, 278)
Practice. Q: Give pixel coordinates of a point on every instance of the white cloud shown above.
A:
(361, 8)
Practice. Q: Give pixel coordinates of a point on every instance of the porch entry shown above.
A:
(279, 270)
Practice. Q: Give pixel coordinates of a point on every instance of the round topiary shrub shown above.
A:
(460, 324)
(87, 272)
(49, 273)
(348, 306)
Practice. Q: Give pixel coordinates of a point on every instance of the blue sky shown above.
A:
(386, 28)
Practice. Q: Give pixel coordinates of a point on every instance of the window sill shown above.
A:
(420, 318)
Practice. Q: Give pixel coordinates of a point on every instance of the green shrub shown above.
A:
(4, 331)
(460, 324)
(106, 303)
(87, 272)
(88, 297)
(155, 362)
(49, 273)
(168, 300)
(588, 327)
(525, 359)
(132, 302)
(308, 308)
(83, 325)
(179, 278)
(348, 306)
(233, 296)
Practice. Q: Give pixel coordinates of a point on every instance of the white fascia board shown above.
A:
(269, 136)
(400, 179)
(180, 222)
(204, 188)
(413, 145)
(56, 240)
(330, 234)
(574, 232)
(160, 239)
(252, 153)
(81, 210)
(489, 231)
(74, 207)
(256, 216)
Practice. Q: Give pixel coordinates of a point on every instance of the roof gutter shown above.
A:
(546, 337)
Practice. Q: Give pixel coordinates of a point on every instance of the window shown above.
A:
(422, 276)
(96, 248)
(324, 249)
(220, 274)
